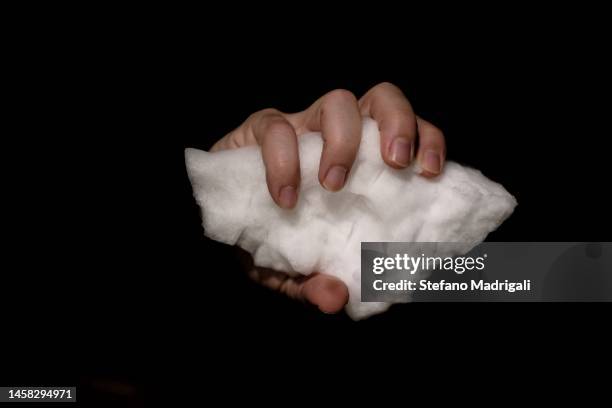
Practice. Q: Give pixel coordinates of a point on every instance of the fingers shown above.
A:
(397, 122)
(400, 128)
(279, 148)
(432, 149)
(337, 116)
(329, 294)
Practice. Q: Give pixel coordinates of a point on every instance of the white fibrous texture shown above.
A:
(323, 233)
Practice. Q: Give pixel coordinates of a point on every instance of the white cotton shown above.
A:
(324, 231)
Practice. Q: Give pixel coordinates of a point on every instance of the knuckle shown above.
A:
(284, 167)
(340, 96)
(262, 114)
(385, 87)
(275, 126)
(269, 112)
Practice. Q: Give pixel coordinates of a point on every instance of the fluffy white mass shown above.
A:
(324, 231)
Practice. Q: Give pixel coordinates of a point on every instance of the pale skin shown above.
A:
(405, 137)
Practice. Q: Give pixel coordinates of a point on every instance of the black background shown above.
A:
(107, 256)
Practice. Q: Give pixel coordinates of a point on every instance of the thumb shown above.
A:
(326, 292)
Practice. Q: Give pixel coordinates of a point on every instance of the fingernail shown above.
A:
(432, 162)
(287, 197)
(334, 180)
(401, 152)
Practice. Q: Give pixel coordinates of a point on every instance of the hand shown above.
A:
(338, 116)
